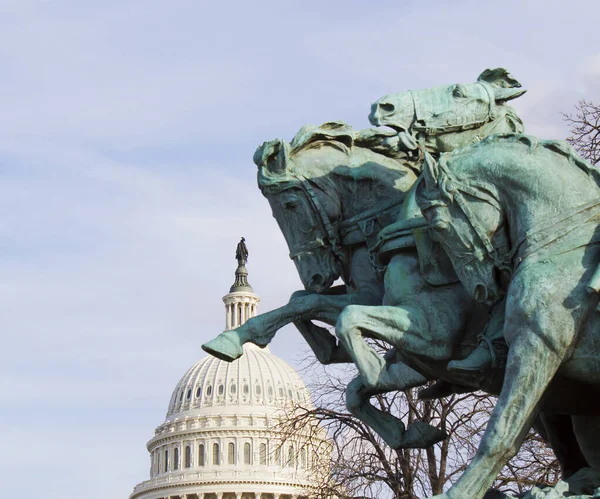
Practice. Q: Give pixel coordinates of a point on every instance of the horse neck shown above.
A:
(532, 182)
(506, 121)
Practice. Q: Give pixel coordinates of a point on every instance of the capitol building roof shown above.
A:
(256, 380)
(222, 436)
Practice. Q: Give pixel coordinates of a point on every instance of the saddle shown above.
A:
(412, 231)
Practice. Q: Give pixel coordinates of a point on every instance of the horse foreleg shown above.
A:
(388, 323)
(557, 430)
(325, 346)
(587, 429)
(390, 428)
(532, 363)
(261, 329)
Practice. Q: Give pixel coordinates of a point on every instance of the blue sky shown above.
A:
(126, 180)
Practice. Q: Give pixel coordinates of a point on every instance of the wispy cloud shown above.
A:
(126, 179)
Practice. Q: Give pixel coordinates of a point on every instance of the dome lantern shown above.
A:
(240, 303)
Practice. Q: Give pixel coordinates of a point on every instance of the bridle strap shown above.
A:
(363, 223)
(459, 127)
(332, 237)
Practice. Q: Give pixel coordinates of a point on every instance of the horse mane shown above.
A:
(557, 146)
(272, 157)
(333, 133)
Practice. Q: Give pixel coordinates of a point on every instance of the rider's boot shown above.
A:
(491, 350)
(480, 359)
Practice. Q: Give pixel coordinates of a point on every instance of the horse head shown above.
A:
(451, 116)
(467, 219)
(305, 218)
(323, 189)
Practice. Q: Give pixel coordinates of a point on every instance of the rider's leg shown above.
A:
(491, 350)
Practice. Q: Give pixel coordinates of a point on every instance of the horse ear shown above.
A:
(430, 172)
(504, 85)
(332, 130)
(271, 155)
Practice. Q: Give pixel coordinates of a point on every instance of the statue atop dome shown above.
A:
(241, 274)
(241, 253)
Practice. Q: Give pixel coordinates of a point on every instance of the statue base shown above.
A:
(585, 484)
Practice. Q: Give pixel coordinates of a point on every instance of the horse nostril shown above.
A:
(481, 294)
(387, 108)
(316, 281)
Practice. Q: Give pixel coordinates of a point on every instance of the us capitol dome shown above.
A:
(222, 436)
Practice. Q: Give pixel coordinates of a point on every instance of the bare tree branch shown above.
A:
(585, 130)
(363, 466)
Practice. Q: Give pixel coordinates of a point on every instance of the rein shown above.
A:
(361, 228)
(533, 241)
(529, 242)
(456, 190)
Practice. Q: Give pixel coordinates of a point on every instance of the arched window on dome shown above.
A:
(176, 458)
(189, 394)
(166, 468)
(291, 395)
(247, 454)
(216, 458)
(291, 457)
(201, 459)
(221, 389)
(246, 389)
(270, 391)
(281, 391)
(262, 454)
(232, 389)
(198, 392)
(208, 390)
(303, 457)
(188, 456)
(258, 389)
(231, 453)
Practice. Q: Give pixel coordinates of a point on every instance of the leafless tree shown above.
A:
(363, 466)
(585, 130)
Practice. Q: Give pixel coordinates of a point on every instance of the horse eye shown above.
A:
(459, 91)
(290, 205)
(387, 107)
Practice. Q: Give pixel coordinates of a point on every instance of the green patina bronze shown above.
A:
(453, 249)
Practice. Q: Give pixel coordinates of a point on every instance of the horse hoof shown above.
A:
(225, 347)
(421, 435)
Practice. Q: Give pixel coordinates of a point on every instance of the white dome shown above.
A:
(222, 436)
(221, 433)
(258, 378)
